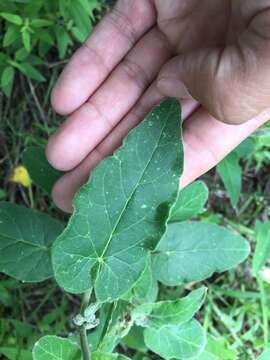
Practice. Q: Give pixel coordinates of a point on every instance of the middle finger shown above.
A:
(90, 124)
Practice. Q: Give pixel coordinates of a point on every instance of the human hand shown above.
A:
(145, 50)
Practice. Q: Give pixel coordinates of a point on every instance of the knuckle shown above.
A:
(135, 73)
(122, 24)
(99, 113)
(88, 53)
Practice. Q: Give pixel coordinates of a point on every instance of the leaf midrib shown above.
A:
(133, 192)
(16, 241)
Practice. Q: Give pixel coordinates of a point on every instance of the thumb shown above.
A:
(223, 81)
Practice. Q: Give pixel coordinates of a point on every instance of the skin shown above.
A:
(214, 55)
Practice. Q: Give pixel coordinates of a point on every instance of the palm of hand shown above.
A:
(188, 25)
(109, 86)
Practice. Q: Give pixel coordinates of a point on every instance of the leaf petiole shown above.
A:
(86, 352)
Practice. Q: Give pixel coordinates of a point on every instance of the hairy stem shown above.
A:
(86, 352)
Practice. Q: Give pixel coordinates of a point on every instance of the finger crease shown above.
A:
(102, 115)
(97, 56)
(136, 73)
(123, 25)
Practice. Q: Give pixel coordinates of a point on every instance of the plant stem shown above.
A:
(86, 352)
(31, 197)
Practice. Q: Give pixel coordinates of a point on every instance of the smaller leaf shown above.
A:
(80, 17)
(31, 72)
(26, 237)
(246, 148)
(193, 251)
(41, 23)
(26, 39)
(135, 340)
(21, 54)
(7, 80)
(12, 18)
(78, 34)
(145, 289)
(7, 76)
(176, 341)
(190, 202)
(217, 349)
(231, 175)
(11, 35)
(41, 172)
(14, 353)
(262, 251)
(169, 312)
(63, 40)
(53, 347)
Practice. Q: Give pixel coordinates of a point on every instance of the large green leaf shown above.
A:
(190, 202)
(41, 172)
(26, 237)
(122, 211)
(176, 341)
(55, 348)
(231, 175)
(169, 312)
(193, 251)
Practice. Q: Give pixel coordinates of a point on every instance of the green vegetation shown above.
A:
(159, 272)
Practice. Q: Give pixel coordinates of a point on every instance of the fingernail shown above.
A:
(173, 87)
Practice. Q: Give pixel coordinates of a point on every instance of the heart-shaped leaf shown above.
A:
(26, 237)
(122, 211)
(193, 251)
(176, 341)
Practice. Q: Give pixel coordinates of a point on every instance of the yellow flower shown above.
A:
(21, 176)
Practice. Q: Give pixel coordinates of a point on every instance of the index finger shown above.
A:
(113, 37)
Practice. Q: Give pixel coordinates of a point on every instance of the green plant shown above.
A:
(254, 150)
(129, 239)
(31, 29)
